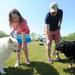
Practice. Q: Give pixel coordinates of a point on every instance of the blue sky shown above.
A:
(34, 11)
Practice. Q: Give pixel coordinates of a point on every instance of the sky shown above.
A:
(34, 11)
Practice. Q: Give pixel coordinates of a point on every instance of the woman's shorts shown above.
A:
(19, 37)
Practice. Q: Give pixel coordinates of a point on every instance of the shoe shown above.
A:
(17, 64)
(49, 60)
(27, 62)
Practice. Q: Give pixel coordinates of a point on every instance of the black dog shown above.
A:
(68, 48)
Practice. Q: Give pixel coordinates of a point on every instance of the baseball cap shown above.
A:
(53, 7)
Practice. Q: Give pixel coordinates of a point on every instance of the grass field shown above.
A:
(39, 63)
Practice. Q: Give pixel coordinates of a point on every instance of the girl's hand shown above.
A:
(23, 45)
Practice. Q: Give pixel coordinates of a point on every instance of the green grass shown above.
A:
(39, 63)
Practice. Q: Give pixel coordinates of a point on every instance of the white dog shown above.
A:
(7, 46)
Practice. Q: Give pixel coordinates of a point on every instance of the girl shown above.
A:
(19, 26)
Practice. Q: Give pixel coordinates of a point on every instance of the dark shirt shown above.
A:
(53, 21)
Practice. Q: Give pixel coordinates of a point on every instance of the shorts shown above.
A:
(19, 38)
(54, 35)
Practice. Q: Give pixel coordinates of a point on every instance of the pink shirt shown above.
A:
(23, 28)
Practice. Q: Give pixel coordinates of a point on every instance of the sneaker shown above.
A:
(17, 64)
(49, 60)
(27, 62)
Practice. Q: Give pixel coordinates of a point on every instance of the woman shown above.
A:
(19, 26)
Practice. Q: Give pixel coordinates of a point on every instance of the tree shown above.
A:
(2, 34)
(35, 36)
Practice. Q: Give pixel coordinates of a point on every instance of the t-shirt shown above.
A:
(54, 20)
(22, 28)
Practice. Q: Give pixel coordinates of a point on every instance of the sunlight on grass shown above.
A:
(39, 63)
